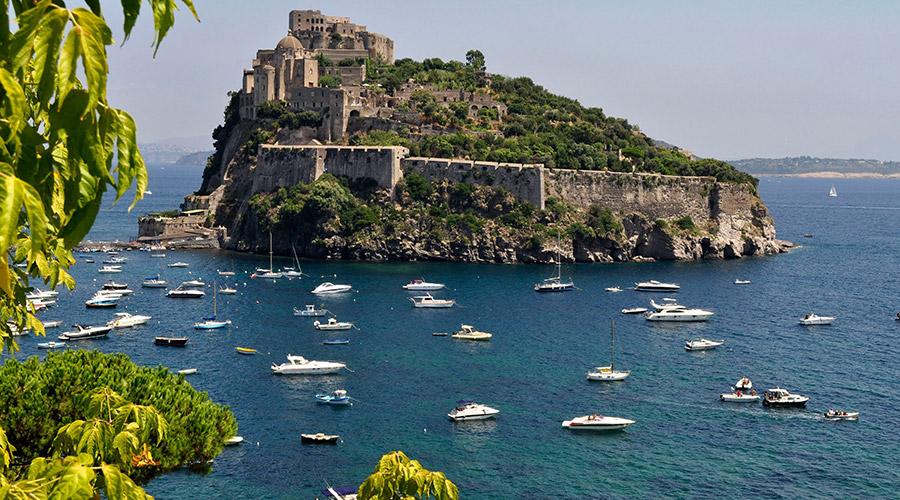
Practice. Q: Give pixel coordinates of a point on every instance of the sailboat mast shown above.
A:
(612, 341)
(271, 269)
(558, 259)
(215, 310)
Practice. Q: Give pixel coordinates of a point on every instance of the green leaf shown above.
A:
(80, 223)
(119, 486)
(68, 62)
(96, 35)
(21, 44)
(14, 106)
(163, 19)
(10, 206)
(46, 52)
(130, 9)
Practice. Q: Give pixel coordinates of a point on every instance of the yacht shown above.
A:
(609, 373)
(328, 288)
(86, 332)
(420, 285)
(744, 384)
(127, 320)
(101, 302)
(702, 344)
(37, 293)
(296, 271)
(841, 415)
(270, 272)
(178, 264)
(815, 319)
(338, 397)
(742, 282)
(112, 285)
(612, 289)
(781, 397)
(656, 286)
(119, 293)
(51, 324)
(634, 310)
(832, 193)
(332, 324)
(739, 396)
(115, 260)
(228, 291)
(211, 323)
(310, 311)
(185, 293)
(676, 312)
(226, 273)
(193, 284)
(597, 423)
(555, 283)
(110, 269)
(51, 345)
(470, 410)
(468, 332)
(298, 365)
(154, 282)
(427, 301)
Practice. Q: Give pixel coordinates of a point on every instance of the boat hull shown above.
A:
(170, 342)
(731, 398)
(686, 318)
(784, 404)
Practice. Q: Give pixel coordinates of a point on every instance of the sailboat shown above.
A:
(833, 192)
(270, 272)
(212, 323)
(609, 373)
(294, 272)
(555, 283)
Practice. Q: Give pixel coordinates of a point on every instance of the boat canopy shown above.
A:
(298, 359)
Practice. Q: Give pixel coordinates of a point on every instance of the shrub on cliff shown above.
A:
(38, 397)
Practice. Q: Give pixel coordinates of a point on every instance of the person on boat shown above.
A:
(738, 393)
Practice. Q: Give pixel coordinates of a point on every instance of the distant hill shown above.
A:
(808, 165)
(195, 158)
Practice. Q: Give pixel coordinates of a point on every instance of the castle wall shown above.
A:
(654, 196)
(526, 182)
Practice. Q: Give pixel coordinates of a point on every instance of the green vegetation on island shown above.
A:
(811, 165)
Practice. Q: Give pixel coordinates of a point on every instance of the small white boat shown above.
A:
(86, 332)
(420, 285)
(841, 415)
(702, 344)
(112, 285)
(744, 384)
(739, 396)
(597, 423)
(178, 264)
(612, 289)
(233, 440)
(832, 193)
(298, 365)
(742, 282)
(154, 282)
(470, 410)
(429, 302)
(555, 283)
(656, 286)
(51, 324)
(226, 273)
(338, 397)
(609, 373)
(188, 371)
(468, 332)
(675, 312)
(815, 319)
(37, 293)
(158, 255)
(117, 292)
(228, 291)
(268, 273)
(51, 345)
(115, 260)
(185, 293)
(211, 324)
(127, 320)
(782, 398)
(310, 311)
(101, 302)
(328, 288)
(294, 272)
(332, 324)
(634, 310)
(192, 284)
(110, 269)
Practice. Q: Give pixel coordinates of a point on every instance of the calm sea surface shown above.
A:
(685, 442)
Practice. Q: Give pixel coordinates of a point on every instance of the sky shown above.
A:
(724, 79)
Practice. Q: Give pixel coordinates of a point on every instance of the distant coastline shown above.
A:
(831, 175)
(823, 168)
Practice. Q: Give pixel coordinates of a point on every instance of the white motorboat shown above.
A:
(188, 371)
(328, 288)
(612, 289)
(115, 260)
(702, 344)
(310, 311)
(470, 410)
(597, 423)
(781, 397)
(226, 273)
(110, 269)
(634, 310)
(101, 302)
(51, 345)
(118, 292)
(178, 264)
(338, 397)
(112, 285)
(676, 312)
(154, 282)
(298, 365)
(158, 255)
(744, 384)
(268, 273)
(228, 291)
(468, 332)
(609, 373)
(429, 302)
(185, 293)
(841, 415)
(39, 304)
(192, 284)
(212, 323)
(742, 282)
(815, 319)
(86, 332)
(420, 285)
(37, 294)
(127, 320)
(832, 193)
(332, 324)
(739, 396)
(656, 286)
(51, 324)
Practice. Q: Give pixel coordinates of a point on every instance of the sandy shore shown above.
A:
(836, 175)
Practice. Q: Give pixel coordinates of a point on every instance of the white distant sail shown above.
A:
(833, 192)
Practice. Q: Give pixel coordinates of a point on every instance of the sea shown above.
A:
(685, 442)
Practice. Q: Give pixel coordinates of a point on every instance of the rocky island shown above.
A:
(341, 152)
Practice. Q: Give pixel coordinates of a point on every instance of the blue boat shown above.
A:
(211, 323)
(338, 397)
(336, 342)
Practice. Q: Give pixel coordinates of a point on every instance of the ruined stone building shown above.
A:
(338, 38)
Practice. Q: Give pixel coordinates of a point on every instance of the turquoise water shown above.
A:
(684, 444)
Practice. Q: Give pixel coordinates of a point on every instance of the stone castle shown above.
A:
(318, 46)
